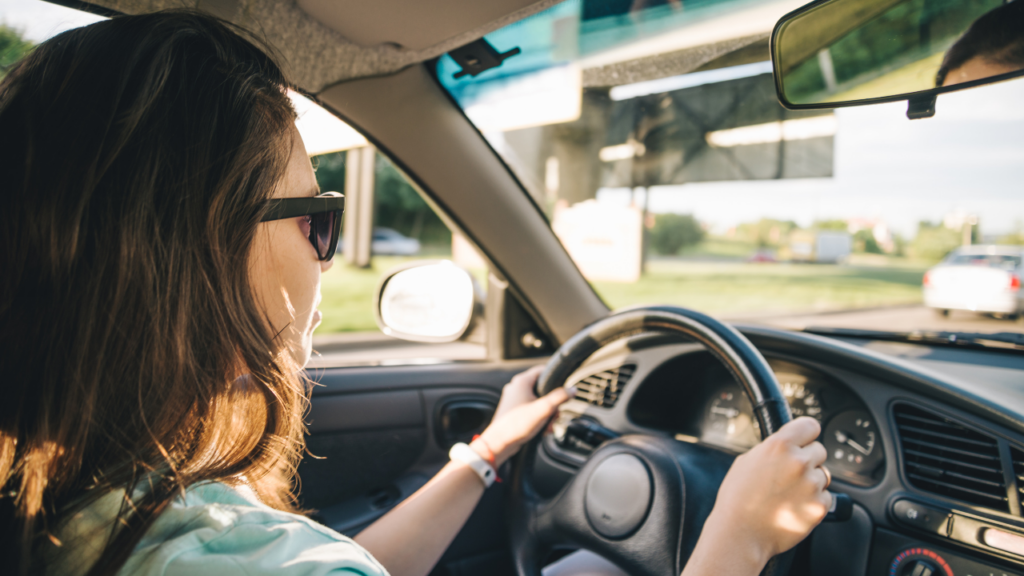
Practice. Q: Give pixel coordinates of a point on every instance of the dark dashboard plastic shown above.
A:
(980, 389)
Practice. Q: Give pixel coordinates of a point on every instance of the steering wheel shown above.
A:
(639, 500)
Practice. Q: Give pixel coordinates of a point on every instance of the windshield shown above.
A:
(651, 135)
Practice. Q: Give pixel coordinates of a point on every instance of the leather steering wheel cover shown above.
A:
(733, 349)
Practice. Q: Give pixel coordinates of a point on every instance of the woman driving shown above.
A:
(163, 238)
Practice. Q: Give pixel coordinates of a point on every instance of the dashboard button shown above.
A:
(921, 517)
(1003, 540)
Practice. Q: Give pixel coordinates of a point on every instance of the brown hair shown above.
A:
(136, 157)
(997, 36)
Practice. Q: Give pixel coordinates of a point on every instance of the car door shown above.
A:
(378, 433)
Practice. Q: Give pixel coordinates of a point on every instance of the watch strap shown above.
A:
(463, 453)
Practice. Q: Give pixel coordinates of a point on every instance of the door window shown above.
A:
(400, 228)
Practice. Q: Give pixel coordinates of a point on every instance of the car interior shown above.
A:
(924, 431)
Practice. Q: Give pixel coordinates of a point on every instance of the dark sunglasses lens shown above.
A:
(326, 240)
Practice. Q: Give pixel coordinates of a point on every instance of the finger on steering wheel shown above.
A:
(800, 432)
(814, 454)
(527, 379)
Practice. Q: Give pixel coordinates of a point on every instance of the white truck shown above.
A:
(820, 246)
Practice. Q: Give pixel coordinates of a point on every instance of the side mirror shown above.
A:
(432, 301)
(834, 53)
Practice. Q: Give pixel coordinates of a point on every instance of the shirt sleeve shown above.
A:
(231, 537)
(257, 549)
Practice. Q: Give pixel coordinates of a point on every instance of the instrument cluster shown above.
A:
(849, 432)
(715, 411)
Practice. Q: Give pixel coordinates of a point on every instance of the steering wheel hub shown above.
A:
(618, 496)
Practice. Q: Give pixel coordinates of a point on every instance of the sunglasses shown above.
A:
(323, 213)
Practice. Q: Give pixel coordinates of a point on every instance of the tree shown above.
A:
(330, 171)
(864, 242)
(672, 232)
(838, 225)
(767, 232)
(934, 241)
(13, 47)
(1015, 238)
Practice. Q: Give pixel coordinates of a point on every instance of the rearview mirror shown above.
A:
(432, 301)
(834, 53)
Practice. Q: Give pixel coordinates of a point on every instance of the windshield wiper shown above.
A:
(1000, 340)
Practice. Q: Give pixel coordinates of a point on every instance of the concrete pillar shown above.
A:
(576, 146)
(360, 167)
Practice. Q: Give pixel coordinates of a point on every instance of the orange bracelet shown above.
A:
(490, 457)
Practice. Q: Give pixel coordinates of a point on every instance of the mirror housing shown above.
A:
(429, 301)
(837, 53)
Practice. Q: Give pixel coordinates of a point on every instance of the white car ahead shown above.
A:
(983, 278)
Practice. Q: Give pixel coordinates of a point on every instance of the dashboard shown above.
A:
(718, 413)
(927, 441)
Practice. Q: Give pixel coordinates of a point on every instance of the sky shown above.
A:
(39, 20)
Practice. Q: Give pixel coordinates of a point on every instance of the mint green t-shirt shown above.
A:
(215, 530)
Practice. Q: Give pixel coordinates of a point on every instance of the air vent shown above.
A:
(1017, 455)
(603, 389)
(947, 458)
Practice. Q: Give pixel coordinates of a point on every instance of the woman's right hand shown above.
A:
(771, 499)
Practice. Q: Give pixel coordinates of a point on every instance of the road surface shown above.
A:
(893, 319)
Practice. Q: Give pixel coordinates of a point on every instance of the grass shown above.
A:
(720, 248)
(736, 289)
(728, 289)
(348, 292)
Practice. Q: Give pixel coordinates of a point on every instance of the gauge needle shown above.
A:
(842, 438)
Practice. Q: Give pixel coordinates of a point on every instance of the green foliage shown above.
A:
(398, 205)
(907, 32)
(838, 225)
(934, 241)
(673, 232)
(13, 47)
(1015, 238)
(864, 242)
(766, 232)
(330, 171)
(899, 245)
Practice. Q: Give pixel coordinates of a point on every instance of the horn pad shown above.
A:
(618, 496)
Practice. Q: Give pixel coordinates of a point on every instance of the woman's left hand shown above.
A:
(520, 416)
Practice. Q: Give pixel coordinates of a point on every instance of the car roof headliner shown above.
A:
(323, 42)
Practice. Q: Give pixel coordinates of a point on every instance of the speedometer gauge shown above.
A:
(853, 445)
(804, 400)
(729, 420)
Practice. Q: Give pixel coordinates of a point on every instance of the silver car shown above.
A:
(389, 242)
(982, 278)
